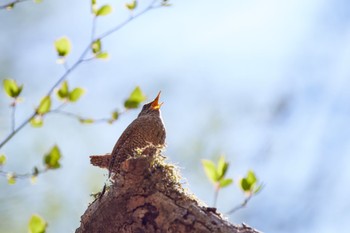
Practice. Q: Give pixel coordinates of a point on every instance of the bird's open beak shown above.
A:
(155, 104)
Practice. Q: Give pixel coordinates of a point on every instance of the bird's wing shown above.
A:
(128, 132)
(125, 136)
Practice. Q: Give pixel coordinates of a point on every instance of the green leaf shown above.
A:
(11, 178)
(245, 185)
(52, 159)
(115, 115)
(37, 224)
(104, 10)
(37, 121)
(10, 6)
(131, 6)
(94, 6)
(210, 170)
(251, 178)
(258, 189)
(44, 106)
(96, 46)
(76, 94)
(63, 92)
(102, 55)
(136, 97)
(38, 1)
(165, 3)
(225, 182)
(222, 167)
(11, 88)
(63, 46)
(2, 159)
(86, 120)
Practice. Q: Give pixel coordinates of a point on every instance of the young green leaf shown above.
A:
(165, 3)
(63, 46)
(102, 55)
(104, 10)
(210, 170)
(245, 185)
(115, 115)
(11, 178)
(44, 106)
(132, 5)
(86, 120)
(94, 6)
(2, 159)
(225, 182)
(37, 224)
(11, 88)
(222, 167)
(96, 46)
(52, 159)
(136, 97)
(63, 92)
(258, 189)
(37, 121)
(10, 6)
(76, 94)
(251, 178)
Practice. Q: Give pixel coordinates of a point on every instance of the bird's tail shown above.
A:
(102, 161)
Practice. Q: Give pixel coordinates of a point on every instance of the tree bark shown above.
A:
(145, 197)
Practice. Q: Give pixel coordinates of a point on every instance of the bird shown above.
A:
(146, 134)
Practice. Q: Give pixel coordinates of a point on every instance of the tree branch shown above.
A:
(146, 196)
(68, 70)
(10, 5)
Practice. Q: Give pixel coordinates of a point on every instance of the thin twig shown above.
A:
(13, 116)
(13, 133)
(131, 18)
(216, 194)
(24, 175)
(93, 28)
(245, 201)
(89, 59)
(242, 205)
(80, 60)
(80, 118)
(11, 4)
(68, 71)
(65, 65)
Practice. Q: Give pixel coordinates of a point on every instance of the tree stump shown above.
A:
(145, 197)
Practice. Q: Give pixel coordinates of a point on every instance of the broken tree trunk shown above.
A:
(145, 197)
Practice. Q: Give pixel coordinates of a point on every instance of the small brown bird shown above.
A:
(146, 133)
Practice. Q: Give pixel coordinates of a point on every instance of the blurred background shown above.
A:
(264, 82)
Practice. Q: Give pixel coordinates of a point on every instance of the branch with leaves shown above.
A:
(92, 51)
(46, 106)
(51, 161)
(216, 174)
